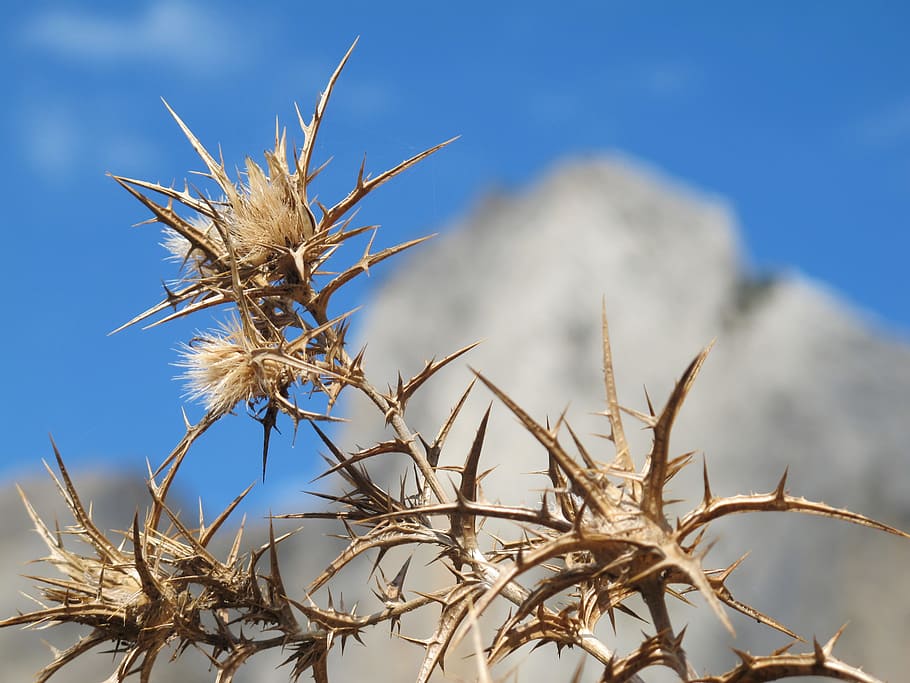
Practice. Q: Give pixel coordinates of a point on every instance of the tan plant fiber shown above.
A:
(227, 367)
(598, 536)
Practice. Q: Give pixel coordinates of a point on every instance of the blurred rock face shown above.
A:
(795, 379)
(114, 499)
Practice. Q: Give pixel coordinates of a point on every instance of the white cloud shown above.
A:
(668, 79)
(50, 143)
(660, 79)
(163, 33)
(889, 126)
(554, 107)
(55, 142)
(369, 98)
(125, 153)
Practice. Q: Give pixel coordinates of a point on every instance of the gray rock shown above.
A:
(114, 498)
(796, 379)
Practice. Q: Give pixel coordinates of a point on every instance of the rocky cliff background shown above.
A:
(796, 378)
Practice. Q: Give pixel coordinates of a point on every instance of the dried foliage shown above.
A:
(599, 536)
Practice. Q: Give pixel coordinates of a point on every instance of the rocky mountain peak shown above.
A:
(796, 378)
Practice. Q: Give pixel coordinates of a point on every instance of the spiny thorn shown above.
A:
(784, 649)
(746, 658)
(820, 654)
(708, 496)
(648, 401)
(828, 647)
(725, 574)
(779, 493)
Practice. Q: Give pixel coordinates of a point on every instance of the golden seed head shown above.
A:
(225, 367)
(192, 261)
(267, 216)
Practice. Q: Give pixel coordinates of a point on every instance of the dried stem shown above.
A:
(598, 536)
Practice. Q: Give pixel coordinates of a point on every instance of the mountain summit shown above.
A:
(796, 379)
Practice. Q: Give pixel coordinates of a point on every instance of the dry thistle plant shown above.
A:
(598, 537)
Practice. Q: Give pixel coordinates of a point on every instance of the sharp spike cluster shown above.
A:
(597, 538)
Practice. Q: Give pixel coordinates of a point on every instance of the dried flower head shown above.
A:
(260, 250)
(599, 536)
(148, 595)
(227, 367)
(180, 249)
(269, 216)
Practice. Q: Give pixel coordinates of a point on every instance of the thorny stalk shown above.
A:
(598, 538)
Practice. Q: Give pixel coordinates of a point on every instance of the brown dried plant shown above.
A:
(598, 537)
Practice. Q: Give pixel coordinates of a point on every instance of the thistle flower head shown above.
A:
(260, 250)
(226, 367)
(142, 594)
(269, 216)
(180, 249)
(599, 535)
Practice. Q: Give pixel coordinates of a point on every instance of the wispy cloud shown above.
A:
(49, 142)
(368, 99)
(167, 32)
(56, 142)
(671, 78)
(655, 78)
(554, 107)
(889, 126)
(640, 82)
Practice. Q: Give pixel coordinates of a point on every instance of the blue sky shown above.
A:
(797, 113)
